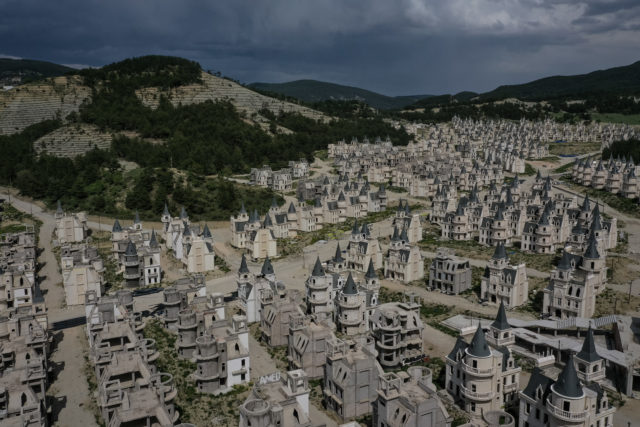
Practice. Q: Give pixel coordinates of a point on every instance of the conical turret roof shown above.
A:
(131, 249)
(500, 252)
(568, 384)
(588, 352)
(153, 242)
(355, 229)
(292, 209)
(165, 212)
(350, 287)
(243, 210)
(592, 248)
(501, 322)
(243, 265)
(478, 346)
(338, 255)
(206, 233)
(371, 272)
(267, 268)
(318, 271)
(116, 227)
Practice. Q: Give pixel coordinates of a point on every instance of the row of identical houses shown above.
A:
(616, 176)
(543, 220)
(280, 180)
(25, 343)
(338, 200)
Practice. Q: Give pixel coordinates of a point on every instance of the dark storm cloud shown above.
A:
(395, 47)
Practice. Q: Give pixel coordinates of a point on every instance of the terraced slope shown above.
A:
(72, 140)
(32, 103)
(214, 88)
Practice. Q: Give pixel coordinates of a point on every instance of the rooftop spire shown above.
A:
(371, 272)
(479, 346)
(243, 265)
(568, 384)
(501, 322)
(350, 286)
(317, 269)
(588, 352)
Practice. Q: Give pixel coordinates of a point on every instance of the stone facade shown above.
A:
(82, 271)
(482, 378)
(307, 345)
(504, 283)
(564, 401)
(351, 377)
(278, 400)
(403, 261)
(449, 273)
(397, 330)
(70, 227)
(409, 399)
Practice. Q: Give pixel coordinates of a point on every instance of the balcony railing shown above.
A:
(475, 371)
(565, 415)
(476, 395)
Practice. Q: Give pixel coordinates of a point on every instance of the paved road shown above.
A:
(70, 388)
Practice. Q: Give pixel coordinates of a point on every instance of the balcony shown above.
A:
(565, 415)
(475, 371)
(476, 395)
(510, 387)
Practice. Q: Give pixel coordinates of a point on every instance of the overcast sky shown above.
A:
(396, 47)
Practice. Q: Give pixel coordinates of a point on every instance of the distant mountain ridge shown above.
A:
(315, 91)
(617, 80)
(17, 71)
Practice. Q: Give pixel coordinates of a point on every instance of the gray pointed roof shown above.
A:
(371, 272)
(341, 197)
(116, 227)
(153, 242)
(565, 261)
(292, 209)
(206, 232)
(365, 229)
(317, 203)
(596, 224)
(267, 268)
(592, 248)
(131, 249)
(568, 384)
(318, 271)
(501, 323)
(136, 218)
(243, 265)
(355, 229)
(588, 352)
(165, 212)
(267, 221)
(350, 286)
(586, 206)
(500, 252)
(403, 235)
(183, 213)
(242, 208)
(395, 236)
(478, 346)
(338, 256)
(499, 216)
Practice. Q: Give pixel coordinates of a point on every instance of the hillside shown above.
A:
(316, 91)
(17, 71)
(619, 80)
(608, 83)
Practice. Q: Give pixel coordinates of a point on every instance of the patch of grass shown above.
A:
(194, 407)
(222, 265)
(578, 148)
(564, 168)
(630, 119)
(529, 170)
(395, 189)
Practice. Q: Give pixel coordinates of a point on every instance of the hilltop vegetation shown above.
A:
(627, 149)
(183, 151)
(28, 70)
(311, 91)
